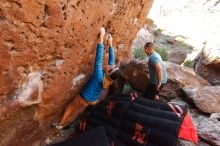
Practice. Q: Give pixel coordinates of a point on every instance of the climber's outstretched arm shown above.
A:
(111, 60)
(98, 70)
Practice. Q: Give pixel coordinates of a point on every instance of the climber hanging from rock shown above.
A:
(157, 70)
(100, 80)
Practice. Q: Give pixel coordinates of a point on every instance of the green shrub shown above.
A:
(139, 53)
(158, 32)
(163, 52)
(127, 89)
(189, 63)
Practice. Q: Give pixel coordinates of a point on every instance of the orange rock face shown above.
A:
(47, 50)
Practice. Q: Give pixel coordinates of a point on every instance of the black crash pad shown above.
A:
(94, 137)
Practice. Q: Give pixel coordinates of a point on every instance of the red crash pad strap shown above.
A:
(174, 110)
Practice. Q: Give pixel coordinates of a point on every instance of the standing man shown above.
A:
(95, 86)
(157, 70)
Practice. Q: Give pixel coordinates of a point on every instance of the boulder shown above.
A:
(171, 40)
(184, 76)
(207, 63)
(207, 98)
(177, 57)
(179, 77)
(143, 36)
(215, 116)
(136, 73)
(209, 131)
(197, 116)
(202, 143)
(201, 120)
(47, 51)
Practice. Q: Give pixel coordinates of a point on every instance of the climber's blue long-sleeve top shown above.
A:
(93, 88)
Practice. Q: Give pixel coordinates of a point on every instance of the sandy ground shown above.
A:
(196, 20)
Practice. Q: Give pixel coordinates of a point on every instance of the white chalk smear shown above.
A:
(59, 127)
(77, 79)
(114, 8)
(33, 84)
(58, 62)
(135, 21)
(121, 46)
(48, 140)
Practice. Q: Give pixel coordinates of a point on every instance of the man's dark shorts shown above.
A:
(151, 91)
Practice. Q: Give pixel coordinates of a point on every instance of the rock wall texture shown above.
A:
(47, 50)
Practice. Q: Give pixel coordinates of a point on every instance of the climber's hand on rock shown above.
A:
(109, 38)
(102, 31)
(102, 34)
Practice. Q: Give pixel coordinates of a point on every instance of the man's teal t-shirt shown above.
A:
(154, 59)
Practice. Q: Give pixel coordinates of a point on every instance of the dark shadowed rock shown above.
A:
(136, 74)
(208, 63)
(171, 40)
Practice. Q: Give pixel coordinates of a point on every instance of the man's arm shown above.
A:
(158, 70)
(98, 71)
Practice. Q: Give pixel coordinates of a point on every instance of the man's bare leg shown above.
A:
(74, 108)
